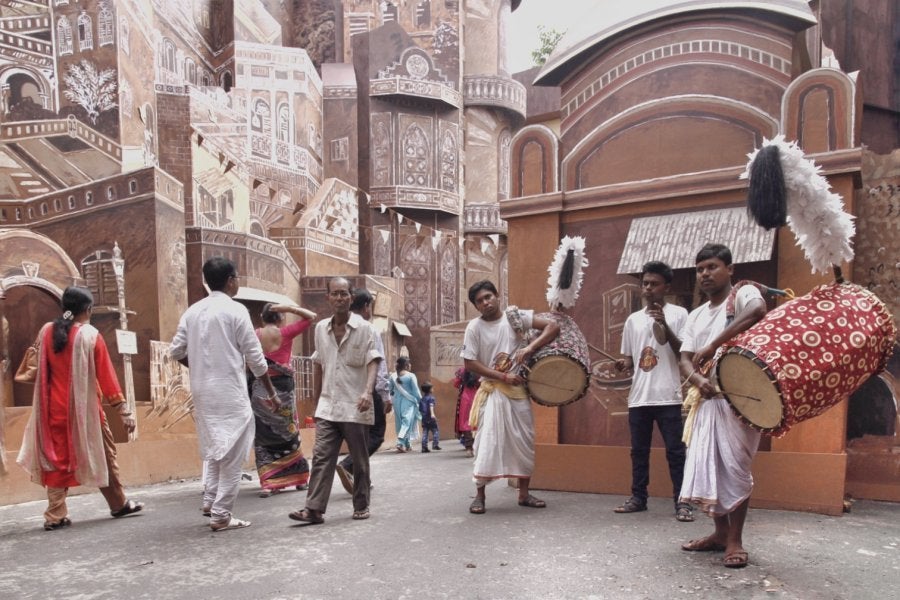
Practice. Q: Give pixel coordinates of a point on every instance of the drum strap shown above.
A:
(513, 392)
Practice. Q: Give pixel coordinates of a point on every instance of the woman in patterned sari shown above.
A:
(279, 459)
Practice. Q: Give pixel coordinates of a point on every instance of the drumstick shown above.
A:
(606, 354)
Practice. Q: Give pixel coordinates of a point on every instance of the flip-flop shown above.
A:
(307, 517)
(64, 522)
(532, 502)
(736, 560)
(477, 507)
(360, 515)
(703, 545)
(232, 523)
(684, 513)
(206, 510)
(130, 507)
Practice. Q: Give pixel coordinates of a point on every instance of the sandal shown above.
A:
(684, 512)
(736, 560)
(206, 510)
(707, 544)
(477, 507)
(231, 523)
(307, 517)
(64, 522)
(532, 502)
(360, 515)
(130, 507)
(632, 505)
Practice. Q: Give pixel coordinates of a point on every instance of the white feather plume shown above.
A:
(566, 297)
(815, 214)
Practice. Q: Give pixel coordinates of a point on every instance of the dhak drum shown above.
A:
(805, 356)
(559, 373)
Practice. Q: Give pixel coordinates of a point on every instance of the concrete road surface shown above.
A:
(421, 543)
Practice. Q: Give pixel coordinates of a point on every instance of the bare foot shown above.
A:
(708, 544)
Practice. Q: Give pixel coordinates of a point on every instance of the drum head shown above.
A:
(747, 386)
(556, 380)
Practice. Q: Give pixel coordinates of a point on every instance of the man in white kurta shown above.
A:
(216, 340)
(504, 433)
(717, 474)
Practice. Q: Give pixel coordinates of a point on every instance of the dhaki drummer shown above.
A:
(501, 412)
(721, 447)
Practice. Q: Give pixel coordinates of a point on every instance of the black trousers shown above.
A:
(640, 421)
(376, 431)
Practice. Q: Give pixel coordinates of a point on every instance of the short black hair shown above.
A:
(484, 284)
(719, 251)
(361, 298)
(426, 387)
(268, 315)
(216, 272)
(659, 268)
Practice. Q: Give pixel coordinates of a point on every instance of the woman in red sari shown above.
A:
(279, 459)
(467, 383)
(67, 441)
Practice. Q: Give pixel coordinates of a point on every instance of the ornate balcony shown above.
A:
(416, 197)
(483, 218)
(493, 90)
(416, 88)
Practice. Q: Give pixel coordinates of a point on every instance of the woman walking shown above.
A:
(279, 459)
(467, 383)
(406, 396)
(67, 441)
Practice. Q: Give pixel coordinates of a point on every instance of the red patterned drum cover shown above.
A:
(805, 356)
(558, 373)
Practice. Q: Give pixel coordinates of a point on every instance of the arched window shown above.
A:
(126, 99)
(105, 25)
(85, 32)
(504, 172)
(64, 36)
(416, 157)
(168, 56)
(124, 35)
(190, 70)
(284, 123)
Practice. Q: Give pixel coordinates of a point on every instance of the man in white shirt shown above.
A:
(381, 398)
(650, 342)
(346, 360)
(717, 474)
(216, 341)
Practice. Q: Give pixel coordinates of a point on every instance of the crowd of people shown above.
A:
(68, 440)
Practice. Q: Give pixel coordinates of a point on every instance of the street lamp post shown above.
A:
(119, 268)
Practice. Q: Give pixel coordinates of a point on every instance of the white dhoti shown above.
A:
(504, 441)
(717, 475)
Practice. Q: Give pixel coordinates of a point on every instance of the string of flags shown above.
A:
(436, 234)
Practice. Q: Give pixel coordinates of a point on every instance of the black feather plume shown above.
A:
(766, 197)
(568, 271)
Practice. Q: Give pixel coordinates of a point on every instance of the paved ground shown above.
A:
(422, 543)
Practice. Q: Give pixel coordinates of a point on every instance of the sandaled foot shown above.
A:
(684, 512)
(268, 493)
(130, 507)
(707, 544)
(361, 515)
(307, 516)
(532, 502)
(64, 522)
(632, 505)
(736, 560)
(477, 507)
(206, 510)
(231, 523)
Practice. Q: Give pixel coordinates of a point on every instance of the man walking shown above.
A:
(501, 412)
(650, 342)
(381, 399)
(215, 340)
(346, 359)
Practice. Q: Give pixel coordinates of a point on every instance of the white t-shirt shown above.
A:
(656, 379)
(705, 322)
(484, 340)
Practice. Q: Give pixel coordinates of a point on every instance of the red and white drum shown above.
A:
(805, 356)
(559, 373)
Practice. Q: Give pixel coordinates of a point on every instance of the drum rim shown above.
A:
(579, 396)
(768, 372)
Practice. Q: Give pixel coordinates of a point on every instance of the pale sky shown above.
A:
(553, 14)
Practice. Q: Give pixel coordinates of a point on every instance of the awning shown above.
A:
(676, 239)
(257, 295)
(380, 324)
(402, 329)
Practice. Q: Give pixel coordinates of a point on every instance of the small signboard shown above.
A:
(127, 341)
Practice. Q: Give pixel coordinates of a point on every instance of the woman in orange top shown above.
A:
(67, 441)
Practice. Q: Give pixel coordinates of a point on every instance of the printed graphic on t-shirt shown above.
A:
(502, 362)
(649, 359)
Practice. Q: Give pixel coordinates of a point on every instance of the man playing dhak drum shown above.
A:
(721, 447)
(650, 342)
(501, 412)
